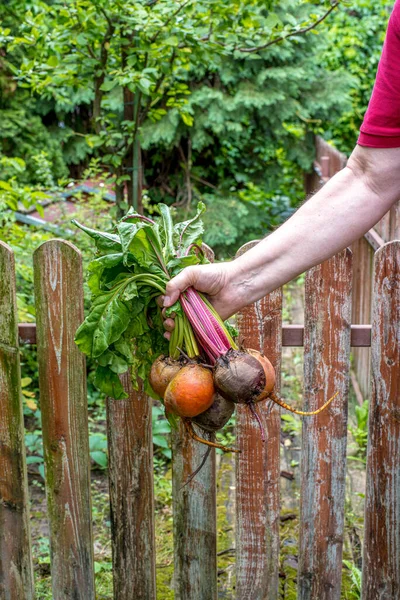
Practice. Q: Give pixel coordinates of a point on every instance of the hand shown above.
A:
(214, 280)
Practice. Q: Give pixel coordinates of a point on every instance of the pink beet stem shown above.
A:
(203, 323)
(204, 313)
(208, 346)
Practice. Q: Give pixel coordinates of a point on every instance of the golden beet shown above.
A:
(163, 370)
(190, 392)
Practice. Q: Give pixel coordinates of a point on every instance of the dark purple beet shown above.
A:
(216, 416)
(239, 377)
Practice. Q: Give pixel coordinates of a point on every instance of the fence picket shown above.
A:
(257, 467)
(381, 564)
(16, 572)
(62, 380)
(194, 507)
(131, 494)
(195, 514)
(326, 371)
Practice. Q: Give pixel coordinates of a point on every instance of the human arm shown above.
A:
(341, 212)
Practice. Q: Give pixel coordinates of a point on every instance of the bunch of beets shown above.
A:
(200, 374)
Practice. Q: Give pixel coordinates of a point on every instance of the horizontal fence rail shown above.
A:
(292, 335)
(327, 337)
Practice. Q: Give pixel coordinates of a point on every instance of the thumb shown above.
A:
(179, 284)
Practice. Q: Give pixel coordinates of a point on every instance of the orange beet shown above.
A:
(190, 392)
(163, 370)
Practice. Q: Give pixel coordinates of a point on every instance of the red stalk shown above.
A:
(208, 330)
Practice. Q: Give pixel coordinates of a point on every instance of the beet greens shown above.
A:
(124, 328)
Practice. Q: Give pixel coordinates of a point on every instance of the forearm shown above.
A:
(340, 213)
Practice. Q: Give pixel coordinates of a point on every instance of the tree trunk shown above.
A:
(132, 164)
(120, 199)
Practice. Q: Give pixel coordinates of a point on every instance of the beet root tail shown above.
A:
(197, 438)
(302, 413)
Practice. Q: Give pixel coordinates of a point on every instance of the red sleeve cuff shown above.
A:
(378, 141)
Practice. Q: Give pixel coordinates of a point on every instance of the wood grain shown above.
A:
(363, 256)
(258, 465)
(131, 494)
(323, 459)
(62, 380)
(16, 572)
(194, 508)
(381, 564)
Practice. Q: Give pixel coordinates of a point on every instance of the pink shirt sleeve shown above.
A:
(381, 126)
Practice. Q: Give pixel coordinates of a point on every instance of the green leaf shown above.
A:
(108, 382)
(52, 61)
(141, 243)
(159, 440)
(109, 317)
(167, 230)
(125, 349)
(105, 242)
(189, 232)
(100, 458)
(97, 267)
(116, 363)
(144, 85)
(97, 442)
(175, 308)
(187, 119)
(109, 85)
(176, 265)
(161, 427)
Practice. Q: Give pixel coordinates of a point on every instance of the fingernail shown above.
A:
(167, 301)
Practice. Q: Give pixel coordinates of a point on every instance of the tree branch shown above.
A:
(168, 21)
(293, 33)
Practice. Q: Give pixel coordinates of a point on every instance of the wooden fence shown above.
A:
(327, 337)
(328, 161)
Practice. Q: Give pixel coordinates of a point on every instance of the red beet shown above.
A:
(244, 376)
(217, 416)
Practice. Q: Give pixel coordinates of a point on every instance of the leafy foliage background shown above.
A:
(215, 121)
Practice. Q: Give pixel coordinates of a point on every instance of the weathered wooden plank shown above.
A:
(131, 494)
(374, 239)
(381, 564)
(292, 335)
(27, 333)
(363, 255)
(323, 462)
(62, 380)
(194, 508)
(16, 572)
(395, 222)
(383, 227)
(258, 465)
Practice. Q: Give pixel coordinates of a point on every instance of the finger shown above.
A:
(169, 324)
(160, 301)
(167, 335)
(179, 284)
